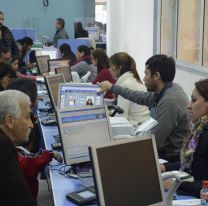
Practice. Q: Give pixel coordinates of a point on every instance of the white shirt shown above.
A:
(135, 113)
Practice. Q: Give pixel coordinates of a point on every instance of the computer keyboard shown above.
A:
(191, 202)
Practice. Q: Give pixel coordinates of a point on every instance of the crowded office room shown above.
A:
(104, 103)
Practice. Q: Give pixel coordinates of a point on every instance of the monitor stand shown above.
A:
(80, 167)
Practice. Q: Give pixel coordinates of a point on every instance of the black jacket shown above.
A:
(81, 34)
(199, 167)
(13, 188)
(9, 41)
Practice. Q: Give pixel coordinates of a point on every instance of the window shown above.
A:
(168, 27)
(189, 31)
(101, 11)
(183, 31)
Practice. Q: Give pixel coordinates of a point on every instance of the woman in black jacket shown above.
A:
(194, 154)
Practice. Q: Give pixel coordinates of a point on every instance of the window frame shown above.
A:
(183, 65)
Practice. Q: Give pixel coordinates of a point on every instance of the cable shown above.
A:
(45, 3)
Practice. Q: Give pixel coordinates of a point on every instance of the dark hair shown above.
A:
(14, 58)
(65, 49)
(202, 88)
(79, 26)
(6, 69)
(102, 59)
(4, 50)
(79, 31)
(125, 63)
(27, 40)
(61, 22)
(86, 51)
(1, 13)
(26, 86)
(164, 65)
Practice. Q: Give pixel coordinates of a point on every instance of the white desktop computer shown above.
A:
(82, 120)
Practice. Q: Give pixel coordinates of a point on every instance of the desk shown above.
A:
(60, 184)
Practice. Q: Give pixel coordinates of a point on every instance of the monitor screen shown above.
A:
(52, 84)
(127, 173)
(56, 63)
(66, 71)
(74, 96)
(79, 129)
(93, 33)
(42, 63)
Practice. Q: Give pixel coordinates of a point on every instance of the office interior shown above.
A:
(177, 28)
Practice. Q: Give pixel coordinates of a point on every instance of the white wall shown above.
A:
(187, 79)
(130, 29)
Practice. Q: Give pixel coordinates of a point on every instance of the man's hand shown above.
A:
(168, 184)
(104, 86)
(57, 157)
(162, 168)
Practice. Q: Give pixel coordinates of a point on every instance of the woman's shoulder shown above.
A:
(129, 81)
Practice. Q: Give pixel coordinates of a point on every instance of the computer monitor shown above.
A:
(79, 129)
(93, 32)
(127, 173)
(66, 71)
(52, 84)
(74, 96)
(56, 63)
(53, 53)
(42, 63)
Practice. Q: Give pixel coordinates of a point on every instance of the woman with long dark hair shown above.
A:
(101, 61)
(66, 53)
(84, 64)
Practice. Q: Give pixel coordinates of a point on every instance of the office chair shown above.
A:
(86, 77)
(75, 77)
(116, 109)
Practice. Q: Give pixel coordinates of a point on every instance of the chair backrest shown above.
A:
(75, 43)
(75, 77)
(86, 77)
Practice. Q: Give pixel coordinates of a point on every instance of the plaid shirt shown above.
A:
(9, 41)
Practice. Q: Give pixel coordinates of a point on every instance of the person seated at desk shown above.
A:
(194, 153)
(84, 64)
(5, 55)
(169, 100)
(15, 126)
(61, 33)
(101, 61)
(15, 66)
(79, 32)
(123, 68)
(32, 163)
(24, 46)
(6, 75)
(66, 53)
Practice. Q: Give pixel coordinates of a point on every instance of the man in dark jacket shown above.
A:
(61, 33)
(15, 126)
(6, 37)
